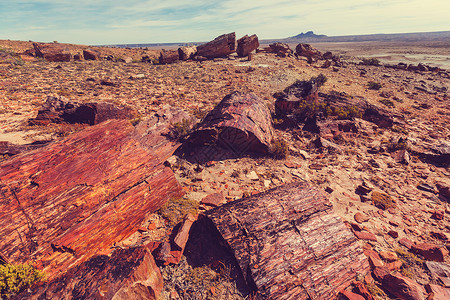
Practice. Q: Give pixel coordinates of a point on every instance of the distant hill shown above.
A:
(308, 35)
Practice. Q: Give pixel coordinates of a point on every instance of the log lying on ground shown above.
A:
(241, 122)
(221, 46)
(72, 199)
(126, 274)
(187, 52)
(168, 57)
(52, 52)
(59, 110)
(246, 44)
(290, 244)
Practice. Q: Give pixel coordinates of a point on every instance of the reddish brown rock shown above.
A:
(361, 218)
(405, 242)
(240, 122)
(126, 274)
(247, 44)
(403, 287)
(430, 251)
(401, 156)
(90, 54)
(364, 235)
(388, 255)
(393, 234)
(78, 57)
(437, 292)
(308, 51)
(168, 57)
(60, 110)
(52, 52)
(73, 199)
(214, 200)
(438, 214)
(221, 46)
(280, 49)
(187, 52)
(352, 296)
(361, 289)
(380, 272)
(395, 265)
(444, 190)
(289, 243)
(182, 235)
(440, 271)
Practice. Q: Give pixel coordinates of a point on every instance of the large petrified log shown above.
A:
(246, 44)
(240, 122)
(58, 110)
(221, 46)
(289, 244)
(126, 274)
(52, 52)
(72, 199)
(91, 54)
(280, 49)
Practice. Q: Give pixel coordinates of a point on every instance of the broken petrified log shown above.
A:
(72, 199)
(168, 57)
(280, 49)
(7, 148)
(221, 46)
(241, 122)
(289, 244)
(60, 110)
(308, 51)
(52, 52)
(187, 52)
(246, 44)
(90, 54)
(126, 274)
(302, 91)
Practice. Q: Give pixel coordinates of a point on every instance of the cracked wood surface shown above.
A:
(72, 199)
(290, 244)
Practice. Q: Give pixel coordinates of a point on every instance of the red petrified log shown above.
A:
(52, 52)
(221, 46)
(290, 244)
(240, 121)
(72, 199)
(168, 57)
(246, 44)
(126, 274)
(90, 54)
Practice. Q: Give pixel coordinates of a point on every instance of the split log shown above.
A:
(308, 51)
(186, 53)
(247, 44)
(280, 49)
(168, 57)
(221, 46)
(241, 122)
(10, 149)
(72, 199)
(290, 244)
(60, 110)
(126, 274)
(90, 54)
(52, 52)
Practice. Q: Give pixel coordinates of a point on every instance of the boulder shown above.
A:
(52, 52)
(280, 49)
(430, 251)
(75, 198)
(403, 287)
(221, 46)
(90, 54)
(300, 92)
(168, 57)
(289, 244)
(61, 110)
(241, 122)
(246, 44)
(308, 51)
(187, 52)
(438, 292)
(126, 274)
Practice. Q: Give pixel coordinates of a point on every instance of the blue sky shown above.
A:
(149, 21)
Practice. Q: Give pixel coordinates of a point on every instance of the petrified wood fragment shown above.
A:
(187, 52)
(240, 122)
(246, 44)
(126, 274)
(58, 110)
(221, 46)
(52, 52)
(168, 57)
(280, 49)
(290, 244)
(90, 54)
(72, 199)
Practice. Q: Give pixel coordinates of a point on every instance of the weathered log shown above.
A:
(240, 122)
(72, 199)
(10, 149)
(126, 274)
(52, 52)
(301, 91)
(187, 52)
(280, 49)
(221, 46)
(246, 44)
(290, 244)
(90, 54)
(168, 57)
(60, 110)
(308, 51)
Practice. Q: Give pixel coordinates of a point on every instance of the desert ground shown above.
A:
(418, 101)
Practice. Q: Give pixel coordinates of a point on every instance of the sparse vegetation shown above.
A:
(181, 129)
(373, 85)
(16, 278)
(381, 200)
(387, 102)
(176, 209)
(279, 149)
(370, 61)
(319, 79)
(401, 144)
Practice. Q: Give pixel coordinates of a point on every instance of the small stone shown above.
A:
(213, 200)
(364, 235)
(267, 183)
(393, 234)
(430, 251)
(360, 218)
(405, 242)
(329, 190)
(403, 287)
(252, 176)
(388, 255)
(393, 266)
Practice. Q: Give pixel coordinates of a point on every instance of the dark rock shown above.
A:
(90, 54)
(7, 148)
(78, 56)
(427, 188)
(52, 52)
(444, 190)
(430, 251)
(280, 49)
(168, 57)
(221, 46)
(247, 44)
(403, 287)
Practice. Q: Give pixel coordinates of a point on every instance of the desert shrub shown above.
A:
(372, 85)
(381, 200)
(279, 149)
(135, 121)
(370, 62)
(16, 278)
(176, 209)
(181, 129)
(401, 144)
(319, 79)
(387, 102)
(347, 112)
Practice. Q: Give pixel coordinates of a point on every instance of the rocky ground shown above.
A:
(418, 100)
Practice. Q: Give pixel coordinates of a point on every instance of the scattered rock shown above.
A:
(430, 251)
(308, 51)
(247, 44)
(437, 292)
(388, 255)
(213, 200)
(280, 49)
(361, 218)
(444, 190)
(168, 57)
(426, 187)
(364, 235)
(405, 242)
(352, 296)
(52, 52)
(90, 54)
(403, 287)
(187, 52)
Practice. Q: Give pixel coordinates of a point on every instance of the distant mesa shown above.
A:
(308, 34)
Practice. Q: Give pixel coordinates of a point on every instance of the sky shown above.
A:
(96, 22)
